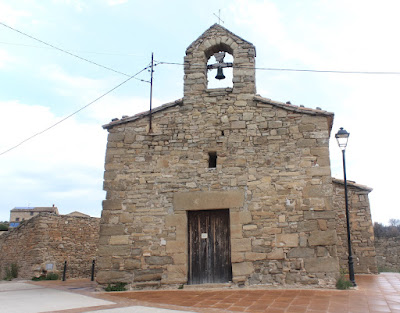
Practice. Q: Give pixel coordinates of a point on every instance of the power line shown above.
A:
(72, 114)
(82, 51)
(303, 70)
(65, 51)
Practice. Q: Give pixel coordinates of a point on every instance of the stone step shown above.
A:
(208, 286)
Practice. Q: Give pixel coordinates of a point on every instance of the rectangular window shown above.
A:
(17, 219)
(212, 159)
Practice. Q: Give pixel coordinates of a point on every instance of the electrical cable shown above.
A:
(303, 70)
(72, 114)
(65, 51)
(81, 51)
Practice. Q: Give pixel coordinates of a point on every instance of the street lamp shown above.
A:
(342, 137)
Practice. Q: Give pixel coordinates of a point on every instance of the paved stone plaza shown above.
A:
(375, 293)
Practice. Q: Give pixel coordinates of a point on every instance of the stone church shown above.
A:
(226, 186)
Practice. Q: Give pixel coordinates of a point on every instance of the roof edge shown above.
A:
(215, 25)
(137, 116)
(291, 107)
(352, 184)
(298, 109)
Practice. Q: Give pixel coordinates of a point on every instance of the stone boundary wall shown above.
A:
(388, 253)
(46, 241)
(361, 227)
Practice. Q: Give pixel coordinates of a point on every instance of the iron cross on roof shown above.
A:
(219, 56)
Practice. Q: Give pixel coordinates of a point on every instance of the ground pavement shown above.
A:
(375, 293)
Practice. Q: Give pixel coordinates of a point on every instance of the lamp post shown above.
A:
(342, 137)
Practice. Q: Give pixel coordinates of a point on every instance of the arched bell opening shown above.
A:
(219, 66)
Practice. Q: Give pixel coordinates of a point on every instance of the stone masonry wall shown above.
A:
(272, 173)
(388, 253)
(362, 231)
(48, 239)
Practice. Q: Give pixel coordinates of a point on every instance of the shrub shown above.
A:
(342, 283)
(116, 287)
(49, 276)
(387, 269)
(11, 272)
(14, 270)
(52, 276)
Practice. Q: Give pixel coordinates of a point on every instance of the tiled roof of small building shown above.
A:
(351, 184)
(35, 209)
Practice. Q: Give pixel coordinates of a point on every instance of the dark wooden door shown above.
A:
(209, 247)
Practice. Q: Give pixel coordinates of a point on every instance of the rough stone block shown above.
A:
(179, 258)
(147, 274)
(131, 264)
(175, 219)
(108, 277)
(254, 256)
(276, 254)
(241, 245)
(322, 238)
(237, 257)
(112, 205)
(242, 269)
(287, 240)
(321, 265)
(119, 240)
(175, 246)
(242, 217)
(206, 200)
(238, 125)
(322, 225)
(158, 260)
(117, 250)
(309, 215)
(301, 253)
(112, 230)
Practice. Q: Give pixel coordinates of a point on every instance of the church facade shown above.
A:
(225, 187)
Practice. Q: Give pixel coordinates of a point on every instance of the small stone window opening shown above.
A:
(17, 219)
(31, 213)
(212, 159)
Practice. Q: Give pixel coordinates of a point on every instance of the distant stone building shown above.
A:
(43, 243)
(20, 214)
(226, 186)
(362, 230)
(76, 213)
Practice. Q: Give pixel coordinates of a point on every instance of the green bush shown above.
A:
(14, 270)
(52, 276)
(116, 287)
(11, 272)
(49, 276)
(342, 283)
(387, 269)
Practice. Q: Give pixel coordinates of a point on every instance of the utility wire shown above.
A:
(72, 114)
(82, 51)
(65, 51)
(302, 70)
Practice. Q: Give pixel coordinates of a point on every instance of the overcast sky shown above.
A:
(40, 85)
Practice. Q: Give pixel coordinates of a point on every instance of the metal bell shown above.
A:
(220, 73)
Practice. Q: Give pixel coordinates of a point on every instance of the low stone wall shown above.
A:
(46, 241)
(362, 231)
(388, 254)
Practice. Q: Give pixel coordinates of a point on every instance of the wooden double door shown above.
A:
(209, 247)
